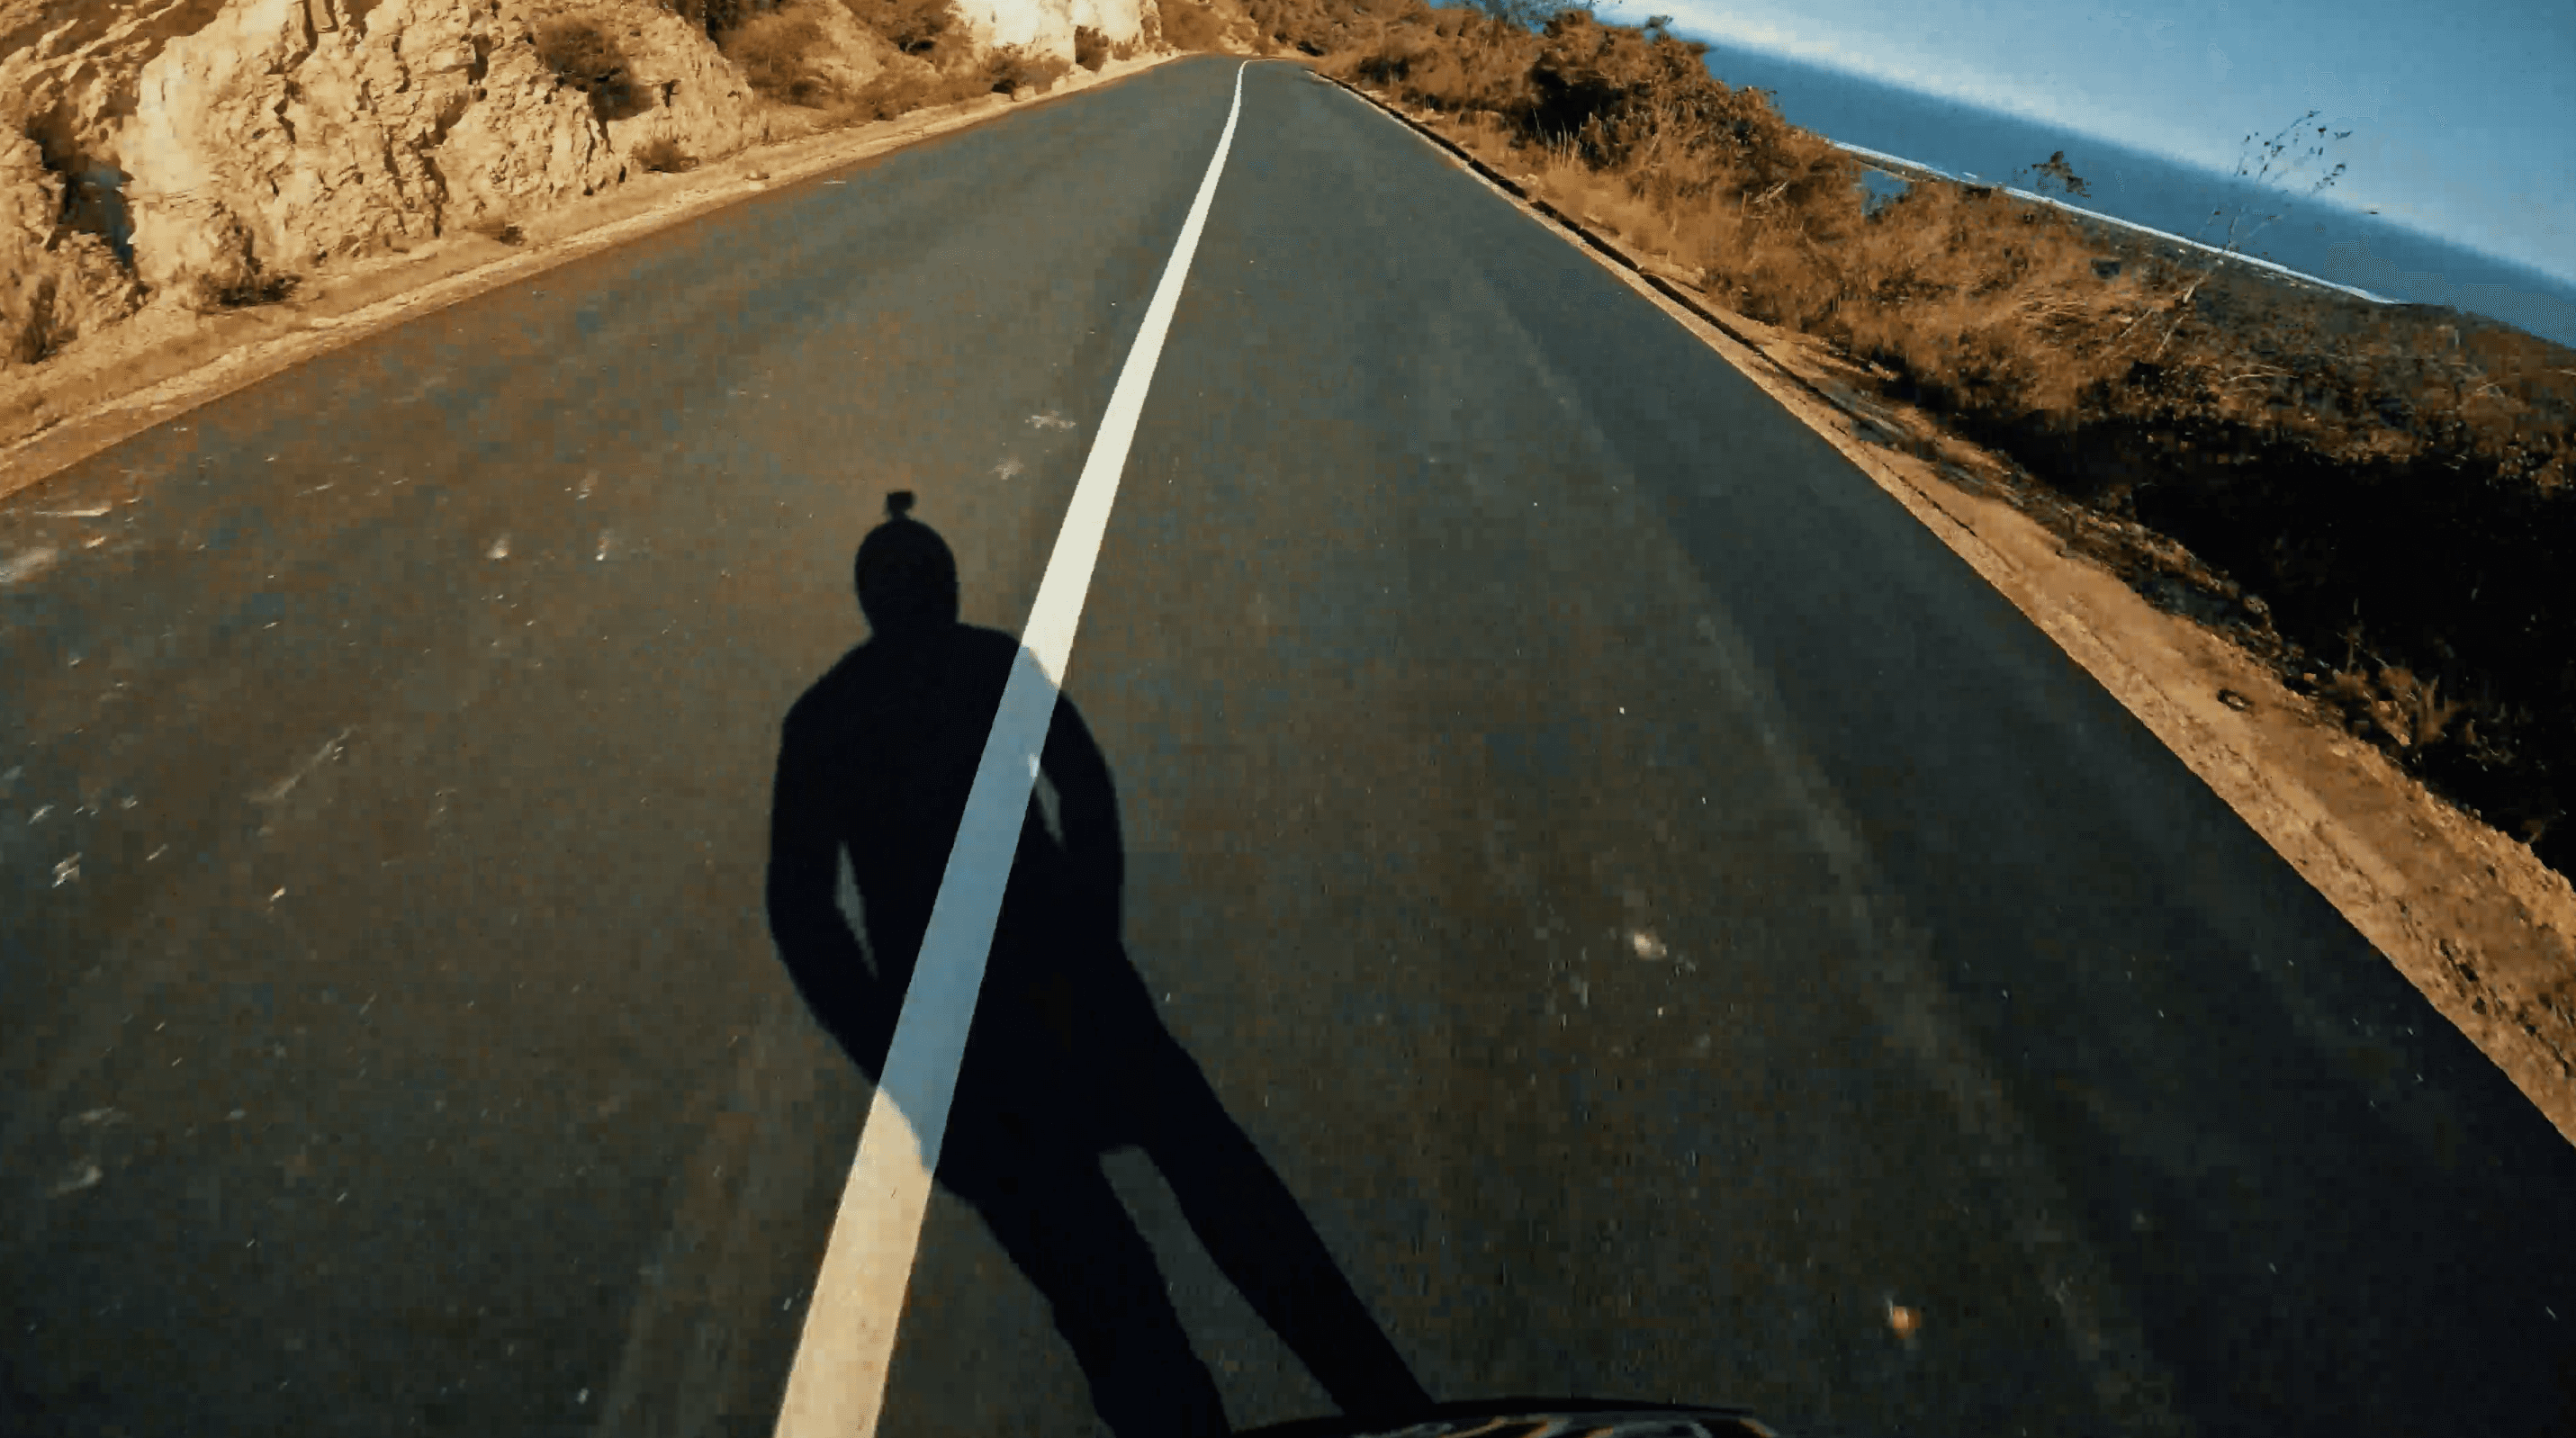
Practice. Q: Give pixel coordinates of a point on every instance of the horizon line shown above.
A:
(1884, 159)
(2523, 271)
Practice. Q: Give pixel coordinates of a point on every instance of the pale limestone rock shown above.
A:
(1045, 27)
(283, 135)
(68, 67)
(31, 197)
(528, 141)
(205, 129)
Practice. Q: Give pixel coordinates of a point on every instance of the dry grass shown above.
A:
(258, 287)
(2342, 461)
(583, 55)
(771, 50)
(891, 95)
(716, 17)
(926, 29)
(896, 93)
(1188, 25)
(1010, 69)
(2409, 712)
(662, 155)
(2000, 306)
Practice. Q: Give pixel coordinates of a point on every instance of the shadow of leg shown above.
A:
(1253, 1228)
(1052, 1210)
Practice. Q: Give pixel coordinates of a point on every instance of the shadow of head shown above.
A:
(877, 763)
(906, 576)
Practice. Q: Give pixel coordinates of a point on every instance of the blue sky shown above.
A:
(2463, 114)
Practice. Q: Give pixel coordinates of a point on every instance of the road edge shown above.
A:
(2440, 935)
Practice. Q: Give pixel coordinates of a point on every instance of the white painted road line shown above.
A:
(836, 1387)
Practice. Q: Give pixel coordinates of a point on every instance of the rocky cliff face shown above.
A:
(52, 285)
(272, 135)
(184, 152)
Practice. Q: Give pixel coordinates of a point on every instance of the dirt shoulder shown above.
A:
(2479, 925)
(165, 361)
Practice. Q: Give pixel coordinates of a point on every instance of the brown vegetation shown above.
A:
(662, 155)
(899, 92)
(1090, 48)
(583, 55)
(1010, 69)
(891, 95)
(1188, 25)
(771, 50)
(257, 287)
(41, 333)
(2374, 498)
(717, 17)
(926, 29)
(949, 70)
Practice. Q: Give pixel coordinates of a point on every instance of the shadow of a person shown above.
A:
(1066, 1057)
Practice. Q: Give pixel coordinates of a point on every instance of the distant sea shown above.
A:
(2327, 242)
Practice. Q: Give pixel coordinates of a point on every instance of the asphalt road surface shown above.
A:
(1668, 929)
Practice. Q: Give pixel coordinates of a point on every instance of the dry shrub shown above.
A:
(891, 95)
(928, 29)
(771, 51)
(2408, 711)
(583, 55)
(253, 288)
(662, 155)
(1010, 69)
(717, 17)
(1331, 28)
(2414, 713)
(1090, 48)
(1191, 26)
(42, 332)
(1448, 74)
(895, 93)
(1997, 308)
(1652, 110)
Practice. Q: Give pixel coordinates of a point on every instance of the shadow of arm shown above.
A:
(1087, 812)
(805, 919)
